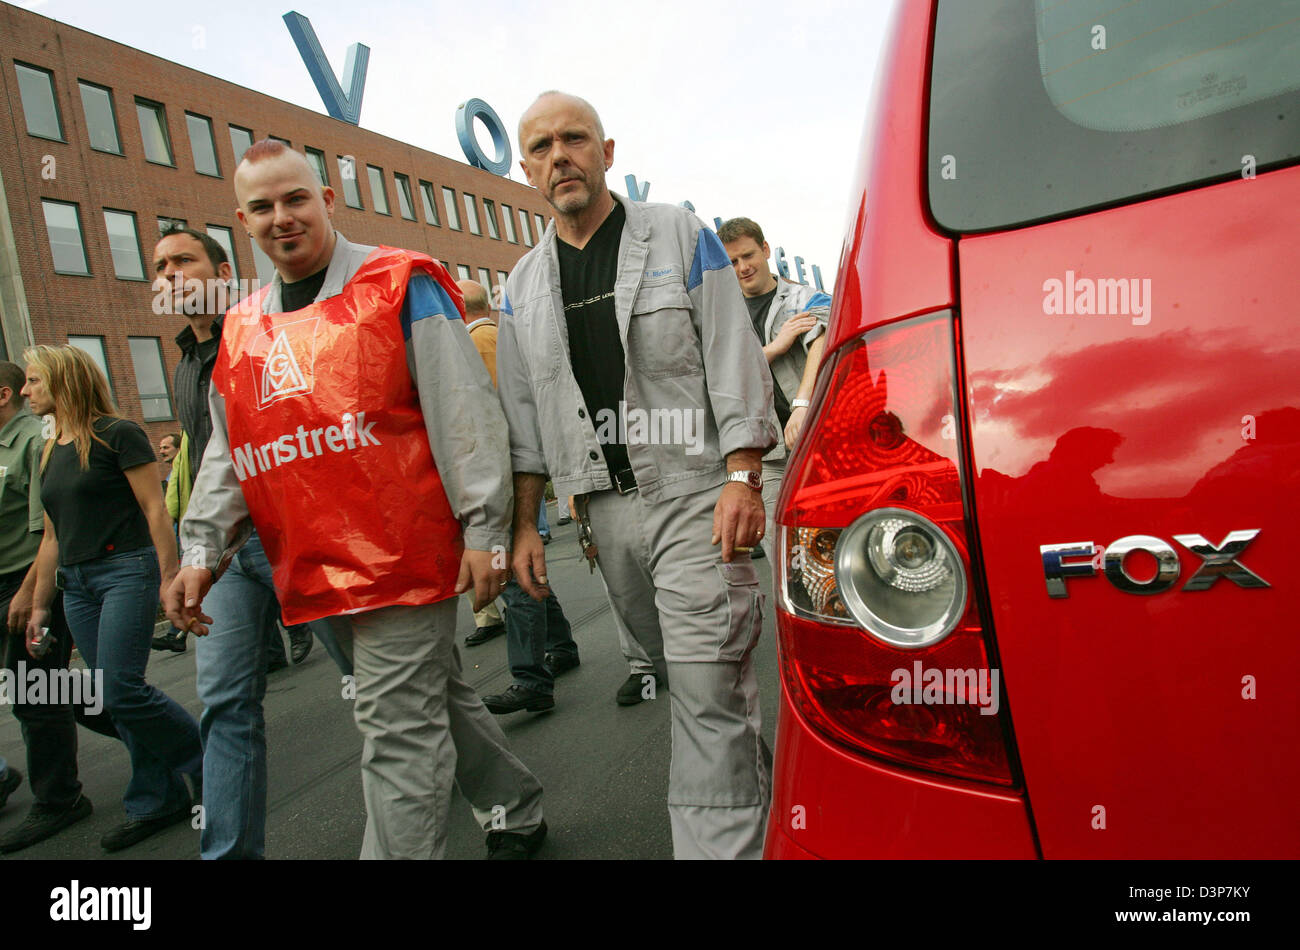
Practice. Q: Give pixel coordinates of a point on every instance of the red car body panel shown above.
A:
(1129, 702)
(1093, 428)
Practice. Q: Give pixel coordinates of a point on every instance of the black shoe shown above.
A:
(546, 539)
(9, 784)
(174, 640)
(757, 553)
(563, 519)
(42, 822)
(629, 694)
(484, 634)
(514, 845)
(133, 831)
(519, 697)
(555, 665)
(300, 641)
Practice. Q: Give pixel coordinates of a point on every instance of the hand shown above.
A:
(20, 611)
(38, 619)
(476, 571)
(529, 564)
(183, 596)
(738, 518)
(795, 426)
(792, 329)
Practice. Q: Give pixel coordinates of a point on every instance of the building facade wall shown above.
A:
(114, 309)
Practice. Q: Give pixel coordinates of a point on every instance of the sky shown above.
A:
(743, 107)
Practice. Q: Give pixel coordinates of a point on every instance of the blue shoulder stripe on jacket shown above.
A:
(505, 303)
(818, 299)
(709, 255)
(425, 298)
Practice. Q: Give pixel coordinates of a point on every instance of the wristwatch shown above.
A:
(747, 477)
(800, 403)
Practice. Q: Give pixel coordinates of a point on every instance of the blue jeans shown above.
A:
(110, 605)
(533, 629)
(231, 664)
(543, 528)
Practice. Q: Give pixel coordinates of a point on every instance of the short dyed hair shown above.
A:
(736, 228)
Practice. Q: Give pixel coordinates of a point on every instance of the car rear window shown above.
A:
(1045, 108)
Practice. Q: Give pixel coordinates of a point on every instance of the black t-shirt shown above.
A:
(95, 512)
(758, 307)
(297, 295)
(587, 279)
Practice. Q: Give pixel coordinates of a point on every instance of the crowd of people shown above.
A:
(357, 364)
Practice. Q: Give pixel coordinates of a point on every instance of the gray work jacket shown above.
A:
(473, 460)
(696, 384)
(791, 300)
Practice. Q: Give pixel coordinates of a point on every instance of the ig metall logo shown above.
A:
(1216, 561)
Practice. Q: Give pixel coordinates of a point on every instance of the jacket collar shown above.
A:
(15, 425)
(635, 222)
(186, 339)
(336, 275)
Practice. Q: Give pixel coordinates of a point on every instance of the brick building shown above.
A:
(101, 145)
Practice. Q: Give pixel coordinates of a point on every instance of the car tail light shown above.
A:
(873, 573)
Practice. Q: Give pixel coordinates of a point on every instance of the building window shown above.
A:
(285, 142)
(453, 213)
(166, 224)
(101, 119)
(501, 280)
(490, 215)
(223, 237)
(94, 345)
(316, 159)
(124, 243)
(153, 131)
(508, 219)
(202, 147)
(150, 377)
(463, 271)
(240, 140)
(348, 172)
(523, 227)
(485, 278)
(63, 226)
(378, 193)
(36, 86)
(404, 196)
(541, 226)
(446, 265)
(471, 212)
(430, 205)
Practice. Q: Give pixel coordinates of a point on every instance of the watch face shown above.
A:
(753, 479)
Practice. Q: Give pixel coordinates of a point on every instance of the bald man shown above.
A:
(630, 376)
(346, 390)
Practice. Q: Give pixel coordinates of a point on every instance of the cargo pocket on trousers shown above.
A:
(744, 608)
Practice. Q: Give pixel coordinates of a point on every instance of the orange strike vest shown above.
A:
(330, 448)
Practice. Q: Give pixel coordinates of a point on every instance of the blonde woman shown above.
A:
(108, 534)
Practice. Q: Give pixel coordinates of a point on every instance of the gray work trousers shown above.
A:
(639, 662)
(425, 728)
(678, 598)
(773, 472)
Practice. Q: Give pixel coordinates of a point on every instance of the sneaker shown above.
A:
(484, 634)
(631, 692)
(555, 665)
(9, 784)
(134, 830)
(515, 845)
(300, 641)
(42, 822)
(519, 697)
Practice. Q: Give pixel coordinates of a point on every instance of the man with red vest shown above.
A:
(340, 430)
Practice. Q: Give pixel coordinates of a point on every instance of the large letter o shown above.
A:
(466, 113)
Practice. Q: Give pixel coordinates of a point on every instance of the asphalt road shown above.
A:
(604, 768)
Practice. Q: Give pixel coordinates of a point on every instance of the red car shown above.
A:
(1034, 599)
